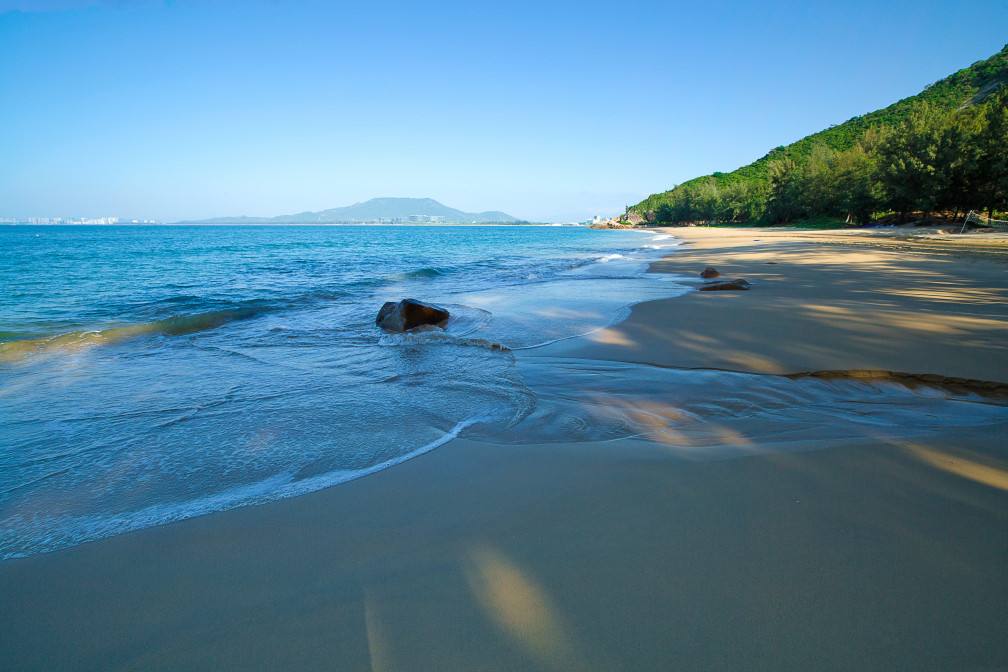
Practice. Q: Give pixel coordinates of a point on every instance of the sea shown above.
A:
(149, 374)
(153, 373)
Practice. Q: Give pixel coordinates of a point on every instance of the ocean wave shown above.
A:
(465, 320)
(71, 531)
(202, 314)
(710, 414)
(427, 272)
(176, 325)
(435, 335)
(307, 360)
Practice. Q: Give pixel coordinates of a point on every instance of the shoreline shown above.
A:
(818, 304)
(623, 256)
(876, 552)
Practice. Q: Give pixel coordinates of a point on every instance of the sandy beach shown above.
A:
(872, 300)
(882, 549)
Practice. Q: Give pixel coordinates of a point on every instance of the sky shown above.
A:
(547, 111)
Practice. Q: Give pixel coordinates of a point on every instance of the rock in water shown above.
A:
(738, 283)
(409, 314)
(709, 272)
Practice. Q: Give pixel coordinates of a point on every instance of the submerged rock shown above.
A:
(709, 272)
(410, 314)
(737, 283)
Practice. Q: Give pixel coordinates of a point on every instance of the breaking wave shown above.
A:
(214, 368)
(177, 325)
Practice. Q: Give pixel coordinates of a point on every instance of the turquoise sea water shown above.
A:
(149, 374)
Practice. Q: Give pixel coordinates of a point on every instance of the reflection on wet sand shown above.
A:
(521, 608)
(377, 640)
(963, 464)
(700, 414)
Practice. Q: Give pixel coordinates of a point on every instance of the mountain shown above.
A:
(399, 210)
(968, 87)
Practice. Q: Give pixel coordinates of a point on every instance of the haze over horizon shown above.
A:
(186, 110)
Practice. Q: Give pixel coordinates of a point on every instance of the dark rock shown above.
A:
(738, 283)
(709, 272)
(410, 314)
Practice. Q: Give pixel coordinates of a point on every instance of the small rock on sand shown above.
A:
(737, 283)
(709, 272)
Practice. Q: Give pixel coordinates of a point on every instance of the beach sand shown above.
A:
(840, 553)
(825, 301)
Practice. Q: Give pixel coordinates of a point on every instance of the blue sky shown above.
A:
(554, 111)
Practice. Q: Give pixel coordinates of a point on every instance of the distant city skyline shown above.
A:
(94, 221)
(550, 112)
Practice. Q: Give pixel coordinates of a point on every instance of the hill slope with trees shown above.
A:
(942, 150)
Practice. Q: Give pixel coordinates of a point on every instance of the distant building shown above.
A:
(62, 220)
(426, 219)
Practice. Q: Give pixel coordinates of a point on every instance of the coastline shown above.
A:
(867, 554)
(312, 343)
(821, 301)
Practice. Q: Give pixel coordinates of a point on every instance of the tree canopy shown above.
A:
(945, 149)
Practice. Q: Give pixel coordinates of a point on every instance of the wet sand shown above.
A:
(824, 301)
(874, 552)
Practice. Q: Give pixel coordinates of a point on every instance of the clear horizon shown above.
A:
(183, 111)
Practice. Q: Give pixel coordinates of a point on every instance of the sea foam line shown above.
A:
(280, 486)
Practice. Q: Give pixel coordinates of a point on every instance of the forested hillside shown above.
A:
(944, 149)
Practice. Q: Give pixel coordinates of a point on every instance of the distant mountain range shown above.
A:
(392, 210)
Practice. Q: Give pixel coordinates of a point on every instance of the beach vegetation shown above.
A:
(939, 153)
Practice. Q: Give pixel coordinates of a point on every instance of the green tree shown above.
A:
(960, 159)
(913, 161)
(856, 189)
(665, 214)
(783, 203)
(817, 184)
(991, 174)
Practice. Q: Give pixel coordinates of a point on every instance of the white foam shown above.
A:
(254, 444)
(76, 530)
